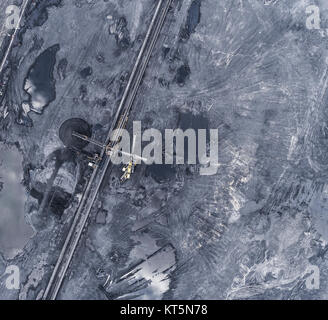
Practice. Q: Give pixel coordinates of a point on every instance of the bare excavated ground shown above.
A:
(252, 69)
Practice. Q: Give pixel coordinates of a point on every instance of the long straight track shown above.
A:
(99, 172)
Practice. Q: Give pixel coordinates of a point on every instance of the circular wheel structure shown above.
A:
(74, 125)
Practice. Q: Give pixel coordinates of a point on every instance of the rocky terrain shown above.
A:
(253, 69)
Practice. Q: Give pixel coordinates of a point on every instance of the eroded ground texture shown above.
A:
(258, 229)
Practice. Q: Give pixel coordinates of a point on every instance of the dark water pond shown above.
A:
(40, 83)
(161, 172)
(193, 18)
